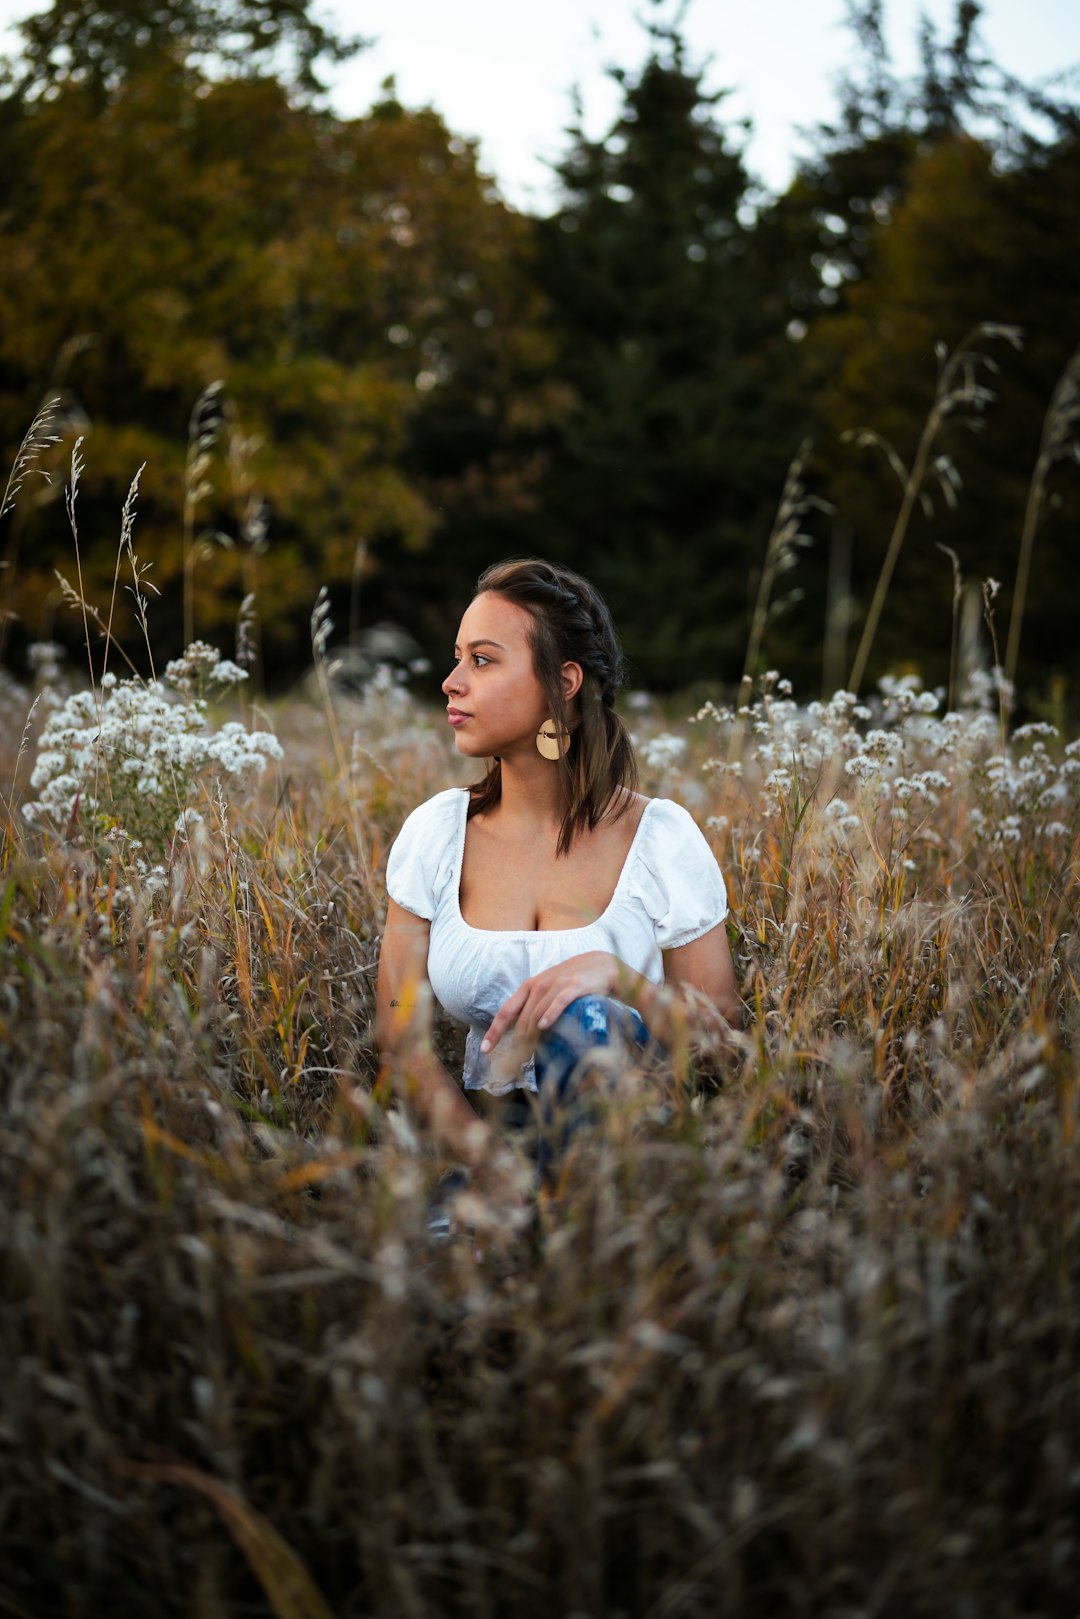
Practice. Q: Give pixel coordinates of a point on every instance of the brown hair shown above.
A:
(570, 624)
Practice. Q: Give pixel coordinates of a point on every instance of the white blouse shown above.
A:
(669, 892)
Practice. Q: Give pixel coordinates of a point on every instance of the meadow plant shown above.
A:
(130, 762)
(37, 440)
(799, 1334)
(961, 394)
(799, 1331)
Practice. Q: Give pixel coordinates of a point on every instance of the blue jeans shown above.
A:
(591, 1023)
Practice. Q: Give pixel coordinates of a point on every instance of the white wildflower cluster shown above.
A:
(903, 694)
(1026, 790)
(386, 715)
(664, 758)
(202, 673)
(894, 756)
(660, 753)
(988, 689)
(48, 686)
(126, 761)
(46, 660)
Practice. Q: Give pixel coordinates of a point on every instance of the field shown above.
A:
(800, 1332)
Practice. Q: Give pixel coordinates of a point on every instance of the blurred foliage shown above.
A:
(964, 239)
(415, 379)
(329, 272)
(671, 459)
(932, 206)
(101, 43)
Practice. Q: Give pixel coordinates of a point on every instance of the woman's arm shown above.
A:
(403, 1025)
(699, 989)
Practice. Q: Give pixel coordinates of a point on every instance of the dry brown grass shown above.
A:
(800, 1336)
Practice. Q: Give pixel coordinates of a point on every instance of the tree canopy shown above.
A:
(400, 378)
(930, 208)
(668, 461)
(99, 44)
(331, 274)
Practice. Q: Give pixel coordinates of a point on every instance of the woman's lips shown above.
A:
(456, 717)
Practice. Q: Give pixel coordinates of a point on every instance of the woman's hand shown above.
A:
(699, 996)
(536, 1004)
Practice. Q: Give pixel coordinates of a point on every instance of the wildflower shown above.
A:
(46, 659)
(1009, 830)
(779, 781)
(659, 753)
(126, 761)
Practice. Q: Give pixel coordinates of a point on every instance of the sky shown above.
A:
(503, 70)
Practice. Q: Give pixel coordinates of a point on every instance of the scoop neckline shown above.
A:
(542, 933)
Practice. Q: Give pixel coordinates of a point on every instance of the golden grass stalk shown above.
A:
(958, 388)
(1057, 441)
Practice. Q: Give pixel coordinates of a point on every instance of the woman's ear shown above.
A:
(572, 676)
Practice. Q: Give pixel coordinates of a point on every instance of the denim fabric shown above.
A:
(593, 1022)
(590, 1022)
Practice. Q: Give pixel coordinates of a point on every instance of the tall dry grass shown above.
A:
(800, 1333)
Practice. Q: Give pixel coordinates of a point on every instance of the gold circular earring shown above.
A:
(551, 743)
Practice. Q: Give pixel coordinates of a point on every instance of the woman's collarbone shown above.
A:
(519, 890)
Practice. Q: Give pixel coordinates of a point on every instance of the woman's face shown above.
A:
(495, 703)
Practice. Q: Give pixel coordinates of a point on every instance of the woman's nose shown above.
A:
(452, 682)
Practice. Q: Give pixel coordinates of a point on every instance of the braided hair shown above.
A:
(570, 624)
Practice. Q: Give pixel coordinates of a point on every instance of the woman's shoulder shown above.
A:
(443, 809)
(667, 819)
(655, 825)
(675, 874)
(627, 809)
(670, 843)
(432, 827)
(420, 867)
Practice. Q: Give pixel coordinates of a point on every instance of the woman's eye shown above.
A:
(480, 660)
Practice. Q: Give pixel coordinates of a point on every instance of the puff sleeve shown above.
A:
(422, 860)
(677, 878)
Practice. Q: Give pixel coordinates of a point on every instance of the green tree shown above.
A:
(848, 188)
(929, 206)
(100, 43)
(335, 275)
(672, 454)
(968, 243)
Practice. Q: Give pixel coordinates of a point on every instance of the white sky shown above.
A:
(503, 70)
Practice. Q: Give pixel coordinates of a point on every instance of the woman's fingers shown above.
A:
(551, 994)
(593, 974)
(557, 1006)
(539, 1001)
(508, 1013)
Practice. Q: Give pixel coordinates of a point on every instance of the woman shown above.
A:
(550, 907)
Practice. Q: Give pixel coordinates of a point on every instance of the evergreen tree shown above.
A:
(99, 43)
(337, 276)
(930, 205)
(671, 455)
(968, 244)
(847, 190)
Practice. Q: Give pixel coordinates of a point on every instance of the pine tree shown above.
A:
(929, 207)
(670, 456)
(97, 44)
